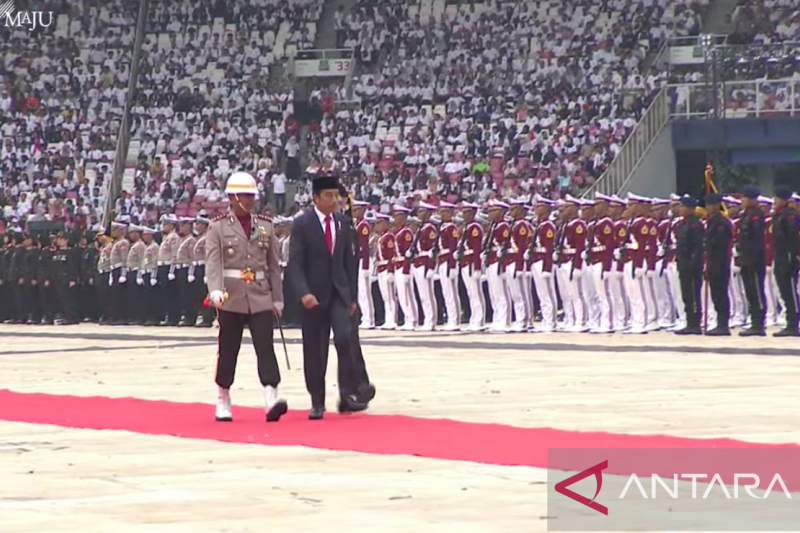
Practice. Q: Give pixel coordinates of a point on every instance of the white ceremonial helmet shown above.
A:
(241, 183)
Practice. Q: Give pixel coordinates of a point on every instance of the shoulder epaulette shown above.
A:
(264, 217)
(218, 218)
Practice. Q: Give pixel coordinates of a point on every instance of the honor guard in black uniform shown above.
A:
(719, 240)
(751, 254)
(169, 295)
(689, 260)
(87, 292)
(65, 275)
(197, 276)
(6, 299)
(133, 265)
(47, 294)
(103, 280)
(786, 247)
(150, 277)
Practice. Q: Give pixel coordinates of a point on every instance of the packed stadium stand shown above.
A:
(455, 100)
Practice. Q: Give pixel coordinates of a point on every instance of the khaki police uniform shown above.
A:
(169, 308)
(183, 262)
(149, 272)
(136, 281)
(197, 278)
(246, 267)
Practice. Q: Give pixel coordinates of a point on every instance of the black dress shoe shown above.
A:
(366, 393)
(719, 332)
(316, 413)
(752, 332)
(204, 325)
(690, 330)
(277, 411)
(350, 404)
(787, 332)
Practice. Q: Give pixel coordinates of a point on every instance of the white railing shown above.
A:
(616, 177)
(739, 99)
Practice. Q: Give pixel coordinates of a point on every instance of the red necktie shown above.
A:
(328, 235)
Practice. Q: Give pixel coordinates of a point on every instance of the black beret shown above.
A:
(688, 201)
(751, 192)
(713, 199)
(325, 183)
(783, 193)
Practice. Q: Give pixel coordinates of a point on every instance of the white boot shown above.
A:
(223, 412)
(276, 407)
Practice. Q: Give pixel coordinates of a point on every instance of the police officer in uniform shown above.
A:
(103, 283)
(133, 264)
(197, 274)
(150, 277)
(47, 294)
(750, 252)
(168, 291)
(689, 261)
(786, 247)
(65, 278)
(719, 240)
(118, 281)
(183, 263)
(244, 284)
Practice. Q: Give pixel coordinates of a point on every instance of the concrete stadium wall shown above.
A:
(657, 175)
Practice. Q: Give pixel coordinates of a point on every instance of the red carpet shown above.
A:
(374, 434)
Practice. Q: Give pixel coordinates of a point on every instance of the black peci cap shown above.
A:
(325, 183)
(713, 199)
(784, 193)
(688, 201)
(751, 192)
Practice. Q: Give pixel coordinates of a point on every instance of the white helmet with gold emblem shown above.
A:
(241, 183)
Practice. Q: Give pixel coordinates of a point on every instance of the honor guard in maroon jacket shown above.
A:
(637, 240)
(570, 268)
(736, 290)
(423, 266)
(616, 208)
(384, 269)
(601, 255)
(363, 232)
(446, 266)
(404, 240)
(499, 240)
(519, 283)
(770, 285)
(541, 258)
(468, 254)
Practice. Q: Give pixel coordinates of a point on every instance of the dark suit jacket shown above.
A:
(311, 270)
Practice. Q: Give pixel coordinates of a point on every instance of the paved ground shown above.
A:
(59, 479)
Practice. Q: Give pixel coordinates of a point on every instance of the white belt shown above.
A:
(118, 265)
(236, 273)
(164, 263)
(381, 263)
(425, 254)
(443, 252)
(469, 252)
(568, 250)
(198, 263)
(540, 250)
(181, 265)
(599, 249)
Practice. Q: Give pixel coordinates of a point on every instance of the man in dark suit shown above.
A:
(321, 268)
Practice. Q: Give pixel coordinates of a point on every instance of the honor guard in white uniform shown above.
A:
(150, 277)
(363, 233)
(519, 284)
(404, 240)
(423, 265)
(468, 253)
(384, 270)
(738, 301)
(135, 275)
(244, 283)
(497, 244)
(169, 305)
(447, 266)
(541, 262)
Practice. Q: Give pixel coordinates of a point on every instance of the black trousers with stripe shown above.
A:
(231, 328)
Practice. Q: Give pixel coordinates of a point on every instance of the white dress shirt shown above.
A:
(321, 216)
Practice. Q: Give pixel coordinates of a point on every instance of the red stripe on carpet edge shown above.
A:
(374, 434)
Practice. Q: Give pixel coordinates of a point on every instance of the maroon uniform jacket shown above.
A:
(620, 236)
(384, 257)
(520, 240)
(448, 243)
(425, 242)
(500, 237)
(473, 243)
(362, 232)
(403, 239)
(602, 247)
(545, 244)
(574, 243)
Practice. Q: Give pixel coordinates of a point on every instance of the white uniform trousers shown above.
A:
(636, 289)
(365, 303)
(591, 296)
(674, 286)
(570, 286)
(771, 294)
(448, 277)
(602, 284)
(388, 294)
(664, 302)
(423, 279)
(498, 295)
(477, 306)
(518, 284)
(650, 299)
(545, 284)
(405, 297)
(619, 298)
(738, 301)
(710, 311)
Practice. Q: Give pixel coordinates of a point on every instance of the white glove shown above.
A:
(483, 277)
(577, 274)
(372, 278)
(278, 307)
(122, 279)
(651, 274)
(484, 257)
(171, 276)
(110, 280)
(153, 281)
(139, 281)
(547, 275)
(737, 270)
(429, 274)
(527, 255)
(452, 273)
(216, 297)
(390, 278)
(661, 253)
(735, 251)
(205, 280)
(409, 255)
(585, 256)
(618, 255)
(190, 278)
(555, 256)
